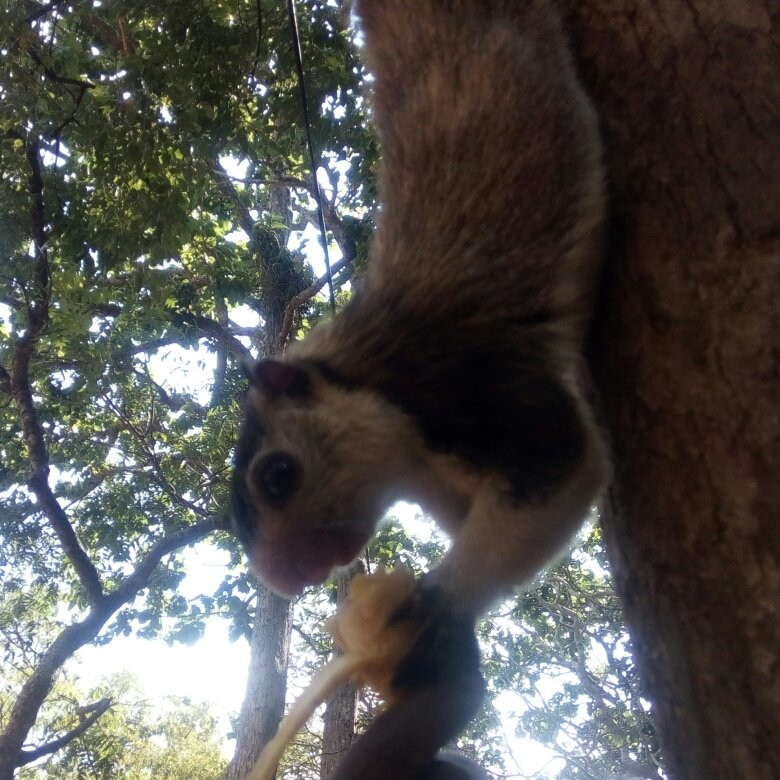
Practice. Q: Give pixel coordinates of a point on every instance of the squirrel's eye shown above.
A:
(279, 477)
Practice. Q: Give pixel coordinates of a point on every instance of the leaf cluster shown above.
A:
(171, 739)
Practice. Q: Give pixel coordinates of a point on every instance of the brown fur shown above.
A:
(448, 378)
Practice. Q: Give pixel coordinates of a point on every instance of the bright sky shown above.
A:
(213, 669)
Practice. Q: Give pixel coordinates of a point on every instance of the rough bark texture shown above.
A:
(338, 730)
(266, 687)
(269, 647)
(687, 357)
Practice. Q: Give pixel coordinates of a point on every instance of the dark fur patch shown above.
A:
(248, 444)
(278, 378)
(484, 393)
(403, 741)
(489, 182)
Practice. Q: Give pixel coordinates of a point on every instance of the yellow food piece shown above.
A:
(360, 626)
(372, 651)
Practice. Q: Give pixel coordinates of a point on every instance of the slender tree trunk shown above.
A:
(339, 720)
(266, 687)
(269, 647)
(338, 730)
(687, 356)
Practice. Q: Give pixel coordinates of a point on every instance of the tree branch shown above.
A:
(58, 519)
(139, 578)
(72, 116)
(302, 297)
(95, 711)
(53, 76)
(212, 329)
(38, 686)
(37, 316)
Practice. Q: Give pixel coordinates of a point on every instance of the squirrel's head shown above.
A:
(316, 465)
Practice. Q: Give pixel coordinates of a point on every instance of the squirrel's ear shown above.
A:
(276, 378)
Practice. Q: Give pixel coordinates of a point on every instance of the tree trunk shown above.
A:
(687, 358)
(338, 729)
(266, 686)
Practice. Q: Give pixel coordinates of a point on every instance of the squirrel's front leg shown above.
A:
(502, 543)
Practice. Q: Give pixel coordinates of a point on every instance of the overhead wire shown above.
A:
(307, 124)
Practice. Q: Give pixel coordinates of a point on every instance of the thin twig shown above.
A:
(154, 462)
(54, 76)
(95, 711)
(297, 301)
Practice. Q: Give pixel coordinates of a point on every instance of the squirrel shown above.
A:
(451, 377)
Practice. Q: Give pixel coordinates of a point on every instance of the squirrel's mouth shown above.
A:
(291, 565)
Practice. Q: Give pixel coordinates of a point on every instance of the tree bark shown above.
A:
(686, 353)
(338, 730)
(266, 686)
